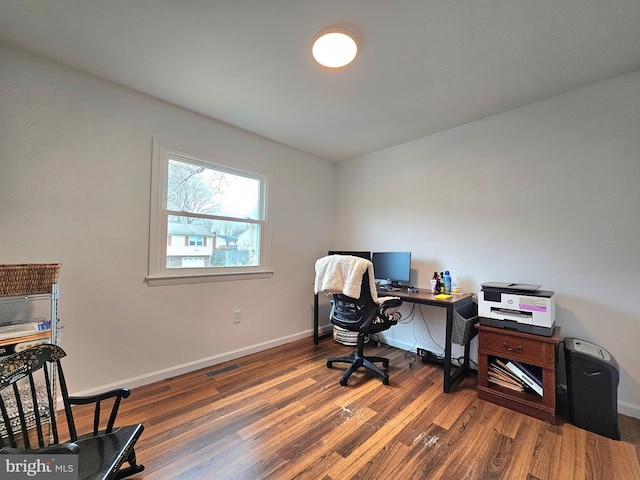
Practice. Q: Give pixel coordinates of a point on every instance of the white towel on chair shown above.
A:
(343, 274)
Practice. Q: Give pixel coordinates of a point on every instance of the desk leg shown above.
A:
(316, 322)
(449, 378)
(315, 319)
(467, 359)
(447, 350)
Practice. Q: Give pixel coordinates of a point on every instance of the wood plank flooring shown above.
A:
(281, 414)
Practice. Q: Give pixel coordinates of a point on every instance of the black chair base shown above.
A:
(357, 359)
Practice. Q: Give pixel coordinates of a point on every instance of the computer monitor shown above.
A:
(392, 266)
(365, 255)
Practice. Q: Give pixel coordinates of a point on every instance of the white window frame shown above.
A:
(158, 273)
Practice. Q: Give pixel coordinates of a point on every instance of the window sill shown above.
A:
(182, 279)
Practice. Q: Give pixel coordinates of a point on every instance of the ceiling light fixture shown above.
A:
(334, 47)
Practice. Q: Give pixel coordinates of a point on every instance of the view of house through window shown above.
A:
(213, 216)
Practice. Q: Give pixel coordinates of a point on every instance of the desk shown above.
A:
(427, 298)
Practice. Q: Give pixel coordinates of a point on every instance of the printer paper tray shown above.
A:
(512, 315)
(520, 327)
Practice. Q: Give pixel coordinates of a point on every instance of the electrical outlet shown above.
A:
(236, 316)
(421, 352)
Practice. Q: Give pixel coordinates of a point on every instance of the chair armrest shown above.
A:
(84, 400)
(389, 305)
(59, 449)
(387, 314)
(116, 394)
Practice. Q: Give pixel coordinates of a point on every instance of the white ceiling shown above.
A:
(424, 66)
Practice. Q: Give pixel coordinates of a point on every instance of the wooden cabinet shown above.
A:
(526, 348)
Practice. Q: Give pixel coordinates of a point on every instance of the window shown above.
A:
(196, 241)
(208, 220)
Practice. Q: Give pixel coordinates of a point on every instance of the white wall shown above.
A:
(75, 158)
(546, 194)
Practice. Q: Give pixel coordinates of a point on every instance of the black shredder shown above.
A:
(592, 387)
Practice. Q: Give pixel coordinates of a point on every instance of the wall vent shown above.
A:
(226, 369)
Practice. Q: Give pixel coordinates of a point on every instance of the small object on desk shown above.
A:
(447, 282)
(412, 290)
(442, 296)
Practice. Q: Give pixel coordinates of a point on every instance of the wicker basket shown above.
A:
(347, 337)
(28, 279)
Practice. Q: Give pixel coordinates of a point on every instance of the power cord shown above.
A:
(426, 324)
(410, 357)
(429, 357)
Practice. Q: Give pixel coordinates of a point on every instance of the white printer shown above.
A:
(517, 306)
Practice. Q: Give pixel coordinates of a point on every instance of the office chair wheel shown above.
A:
(385, 380)
(385, 364)
(344, 381)
(329, 364)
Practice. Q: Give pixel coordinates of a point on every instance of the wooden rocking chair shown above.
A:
(28, 423)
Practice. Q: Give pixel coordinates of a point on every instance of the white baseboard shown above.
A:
(323, 329)
(163, 374)
(629, 409)
(395, 343)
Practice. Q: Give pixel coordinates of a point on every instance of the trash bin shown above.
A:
(592, 387)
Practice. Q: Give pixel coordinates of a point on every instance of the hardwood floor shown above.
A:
(281, 414)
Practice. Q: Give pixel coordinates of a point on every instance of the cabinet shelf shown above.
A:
(24, 298)
(525, 399)
(42, 335)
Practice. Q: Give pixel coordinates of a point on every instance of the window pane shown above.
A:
(200, 242)
(194, 188)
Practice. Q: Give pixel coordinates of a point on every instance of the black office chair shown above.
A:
(365, 316)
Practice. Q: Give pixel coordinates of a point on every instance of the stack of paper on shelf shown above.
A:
(499, 374)
(515, 375)
(531, 376)
(13, 330)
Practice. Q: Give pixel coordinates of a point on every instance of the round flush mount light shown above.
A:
(334, 47)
